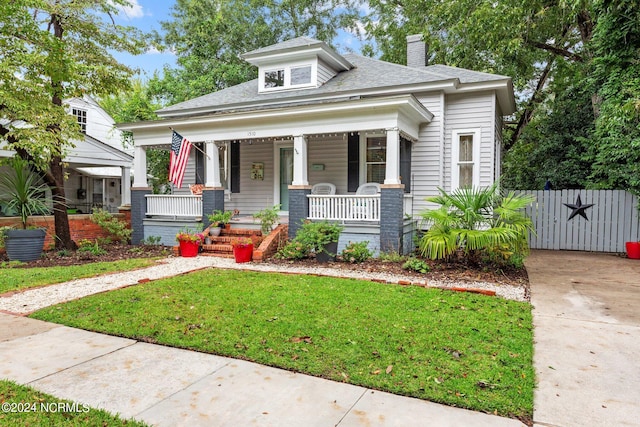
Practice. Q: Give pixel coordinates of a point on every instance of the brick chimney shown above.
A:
(416, 51)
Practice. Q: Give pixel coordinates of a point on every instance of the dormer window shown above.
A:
(287, 77)
(273, 78)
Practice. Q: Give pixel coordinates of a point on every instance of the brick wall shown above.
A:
(80, 225)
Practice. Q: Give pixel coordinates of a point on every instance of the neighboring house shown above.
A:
(99, 170)
(315, 116)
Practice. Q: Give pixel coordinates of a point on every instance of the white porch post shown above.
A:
(392, 171)
(125, 186)
(212, 170)
(140, 167)
(300, 175)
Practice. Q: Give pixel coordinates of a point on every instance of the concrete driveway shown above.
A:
(587, 333)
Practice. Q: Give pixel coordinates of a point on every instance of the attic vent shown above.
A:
(416, 51)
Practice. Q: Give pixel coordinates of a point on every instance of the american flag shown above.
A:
(180, 148)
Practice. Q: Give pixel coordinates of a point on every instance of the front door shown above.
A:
(286, 176)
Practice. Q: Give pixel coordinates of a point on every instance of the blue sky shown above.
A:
(147, 14)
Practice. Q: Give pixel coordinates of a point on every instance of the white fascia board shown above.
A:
(503, 89)
(360, 114)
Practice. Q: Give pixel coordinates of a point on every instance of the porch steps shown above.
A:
(221, 245)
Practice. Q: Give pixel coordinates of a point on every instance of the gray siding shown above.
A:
(425, 155)
(332, 153)
(470, 111)
(498, 144)
(325, 73)
(189, 174)
(254, 195)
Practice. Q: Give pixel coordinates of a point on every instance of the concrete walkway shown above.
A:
(171, 387)
(587, 338)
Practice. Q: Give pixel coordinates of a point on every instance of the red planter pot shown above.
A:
(633, 250)
(188, 249)
(243, 253)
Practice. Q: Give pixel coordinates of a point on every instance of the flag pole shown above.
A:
(194, 146)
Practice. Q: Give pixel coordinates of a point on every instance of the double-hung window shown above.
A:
(81, 117)
(465, 158)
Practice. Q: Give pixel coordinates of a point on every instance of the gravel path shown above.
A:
(34, 299)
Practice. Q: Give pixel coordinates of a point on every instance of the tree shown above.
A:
(616, 78)
(52, 50)
(208, 37)
(531, 41)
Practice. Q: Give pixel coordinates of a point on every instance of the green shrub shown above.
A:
(356, 252)
(474, 220)
(416, 264)
(90, 247)
(217, 218)
(391, 257)
(311, 238)
(317, 234)
(151, 240)
(112, 225)
(268, 217)
(293, 250)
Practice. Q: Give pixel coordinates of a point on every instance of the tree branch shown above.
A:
(557, 50)
(527, 114)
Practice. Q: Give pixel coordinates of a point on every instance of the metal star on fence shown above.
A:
(578, 209)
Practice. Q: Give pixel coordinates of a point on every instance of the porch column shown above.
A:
(391, 218)
(140, 167)
(213, 193)
(298, 207)
(300, 175)
(392, 171)
(125, 186)
(138, 192)
(212, 169)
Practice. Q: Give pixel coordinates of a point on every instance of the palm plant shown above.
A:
(22, 191)
(475, 219)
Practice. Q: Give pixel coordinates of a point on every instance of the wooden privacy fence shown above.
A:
(612, 220)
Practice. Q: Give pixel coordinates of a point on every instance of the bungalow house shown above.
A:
(315, 128)
(99, 170)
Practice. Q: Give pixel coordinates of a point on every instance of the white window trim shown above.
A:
(277, 145)
(455, 156)
(363, 152)
(287, 76)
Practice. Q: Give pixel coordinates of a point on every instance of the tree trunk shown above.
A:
(60, 215)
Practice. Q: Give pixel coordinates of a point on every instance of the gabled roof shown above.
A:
(368, 77)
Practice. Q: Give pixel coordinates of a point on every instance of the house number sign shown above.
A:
(257, 171)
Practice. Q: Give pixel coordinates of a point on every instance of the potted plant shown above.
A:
(189, 242)
(22, 191)
(633, 250)
(268, 217)
(322, 237)
(242, 249)
(218, 219)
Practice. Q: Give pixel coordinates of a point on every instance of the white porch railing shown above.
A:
(174, 205)
(344, 207)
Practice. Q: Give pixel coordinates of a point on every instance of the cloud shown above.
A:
(134, 10)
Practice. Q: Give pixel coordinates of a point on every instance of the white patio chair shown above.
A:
(368, 189)
(323, 188)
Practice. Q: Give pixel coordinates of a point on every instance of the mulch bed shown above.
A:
(456, 271)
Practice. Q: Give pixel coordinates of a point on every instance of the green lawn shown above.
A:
(15, 279)
(24, 406)
(460, 349)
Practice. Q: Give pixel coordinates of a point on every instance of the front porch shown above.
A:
(360, 215)
(250, 161)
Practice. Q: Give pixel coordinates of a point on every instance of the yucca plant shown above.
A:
(475, 219)
(22, 191)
